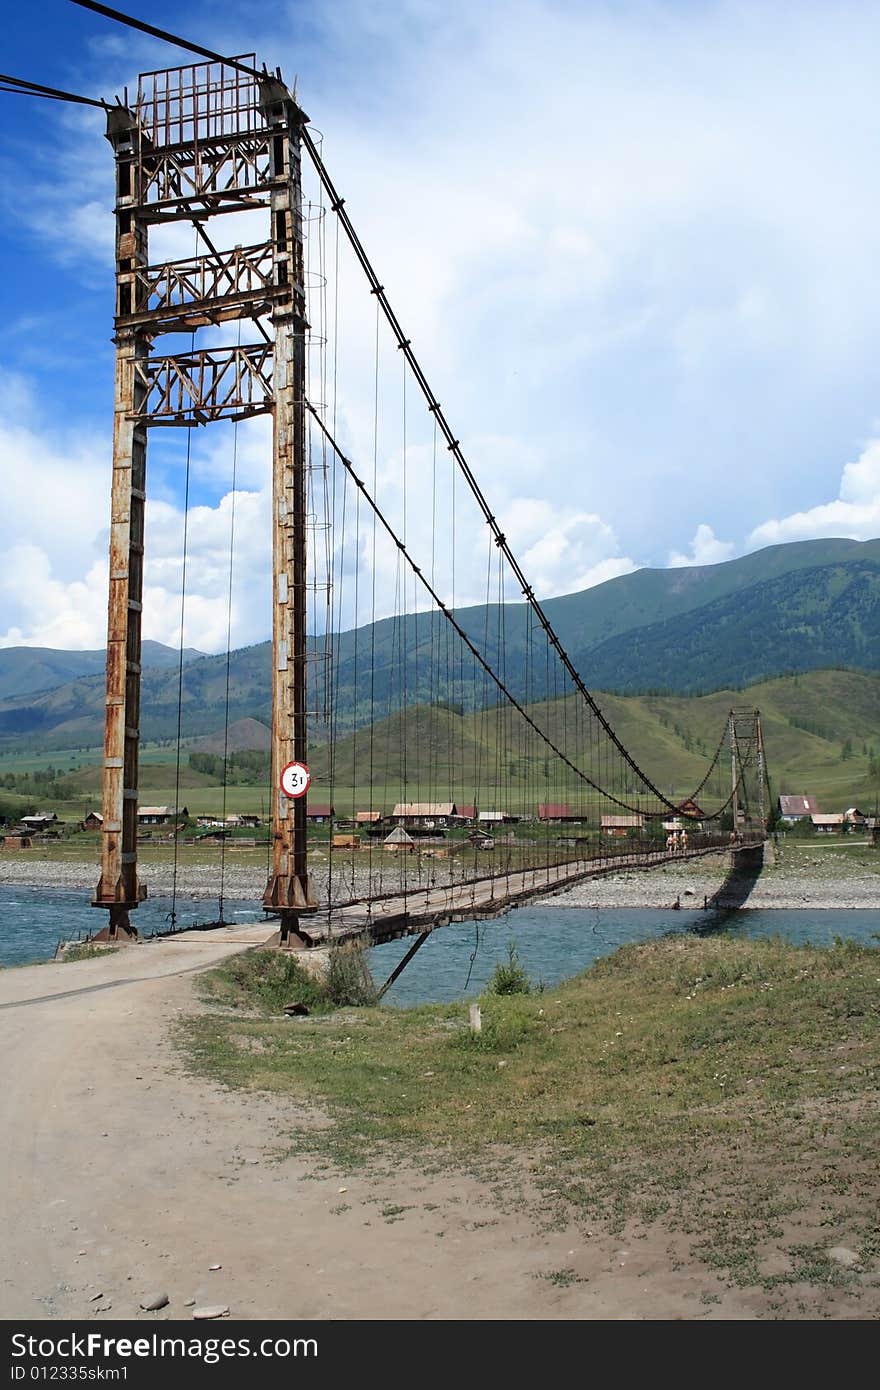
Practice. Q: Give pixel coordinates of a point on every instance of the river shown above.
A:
(552, 943)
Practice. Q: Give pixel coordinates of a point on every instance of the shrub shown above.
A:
(509, 977)
(265, 980)
(348, 980)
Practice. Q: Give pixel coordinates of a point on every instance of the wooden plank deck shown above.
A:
(424, 909)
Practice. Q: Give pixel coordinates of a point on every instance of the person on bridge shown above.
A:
(684, 841)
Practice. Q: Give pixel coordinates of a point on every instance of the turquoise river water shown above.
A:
(553, 943)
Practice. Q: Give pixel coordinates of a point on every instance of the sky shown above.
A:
(635, 245)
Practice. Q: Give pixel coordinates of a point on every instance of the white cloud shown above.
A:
(51, 612)
(599, 303)
(706, 549)
(854, 513)
(54, 528)
(561, 551)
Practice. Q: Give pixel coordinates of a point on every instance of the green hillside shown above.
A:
(800, 622)
(821, 733)
(30, 670)
(648, 596)
(796, 607)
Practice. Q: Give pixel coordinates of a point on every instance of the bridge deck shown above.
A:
(424, 909)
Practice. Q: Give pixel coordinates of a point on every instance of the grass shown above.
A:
(726, 1088)
(264, 982)
(87, 952)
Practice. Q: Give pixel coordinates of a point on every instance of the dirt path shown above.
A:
(124, 1176)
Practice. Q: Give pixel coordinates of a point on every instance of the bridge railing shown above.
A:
(582, 855)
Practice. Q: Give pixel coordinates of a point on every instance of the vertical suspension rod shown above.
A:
(337, 205)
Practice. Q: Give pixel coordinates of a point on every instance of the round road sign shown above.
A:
(295, 779)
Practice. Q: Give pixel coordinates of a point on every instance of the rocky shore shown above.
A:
(798, 879)
(802, 876)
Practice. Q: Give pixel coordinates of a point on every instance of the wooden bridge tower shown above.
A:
(748, 768)
(201, 141)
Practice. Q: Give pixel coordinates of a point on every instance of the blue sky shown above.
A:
(636, 246)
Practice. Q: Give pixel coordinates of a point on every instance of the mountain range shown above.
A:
(687, 631)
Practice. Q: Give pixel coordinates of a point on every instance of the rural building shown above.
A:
(236, 821)
(44, 820)
(399, 842)
(467, 813)
(794, 808)
(855, 818)
(559, 811)
(828, 825)
(369, 818)
(496, 818)
(318, 813)
(93, 821)
(555, 811)
(616, 827)
(17, 842)
(159, 815)
(424, 815)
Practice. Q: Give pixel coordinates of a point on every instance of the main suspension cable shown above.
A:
(450, 616)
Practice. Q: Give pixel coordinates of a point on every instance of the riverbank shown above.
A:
(802, 874)
(647, 1101)
(639, 1143)
(797, 875)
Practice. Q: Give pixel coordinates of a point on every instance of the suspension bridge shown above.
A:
(418, 685)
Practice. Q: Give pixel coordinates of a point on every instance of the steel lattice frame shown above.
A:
(205, 139)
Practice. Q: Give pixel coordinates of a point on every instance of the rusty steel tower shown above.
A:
(202, 141)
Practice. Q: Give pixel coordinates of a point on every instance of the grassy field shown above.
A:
(724, 1089)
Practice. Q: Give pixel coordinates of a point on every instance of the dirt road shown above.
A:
(122, 1176)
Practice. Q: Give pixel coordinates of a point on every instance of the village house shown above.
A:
(424, 815)
(832, 824)
(554, 811)
(496, 818)
(160, 815)
(617, 827)
(93, 820)
(368, 818)
(43, 820)
(795, 808)
(319, 813)
(693, 816)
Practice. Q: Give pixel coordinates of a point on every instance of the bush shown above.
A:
(509, 977)
(348, 980)
(265, 980)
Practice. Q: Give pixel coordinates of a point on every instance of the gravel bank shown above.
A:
(797, 879)
(242, 882)
(820, 878)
